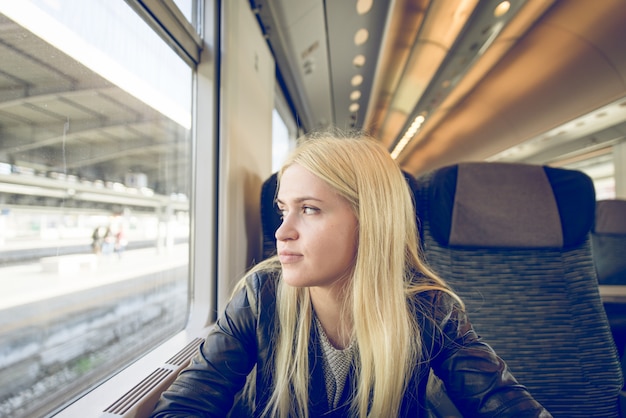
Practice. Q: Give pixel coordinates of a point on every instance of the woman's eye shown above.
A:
(305, 210)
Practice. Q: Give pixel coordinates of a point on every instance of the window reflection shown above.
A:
(95, 116)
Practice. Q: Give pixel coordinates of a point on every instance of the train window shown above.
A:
(284, 130)
(280, 140)
(95, 142)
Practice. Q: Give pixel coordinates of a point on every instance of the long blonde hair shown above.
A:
(387, 273)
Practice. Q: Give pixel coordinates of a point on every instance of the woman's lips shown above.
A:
(287, 257)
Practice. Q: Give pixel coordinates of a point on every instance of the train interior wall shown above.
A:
(247, 89)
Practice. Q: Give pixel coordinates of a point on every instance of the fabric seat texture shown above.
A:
(513, 241)
(608, 244)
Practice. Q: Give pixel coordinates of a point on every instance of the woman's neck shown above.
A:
(336, 321)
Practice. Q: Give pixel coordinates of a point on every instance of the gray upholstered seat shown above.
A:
(608, 244)
(270, 219)
(513, 241)
(608, 241)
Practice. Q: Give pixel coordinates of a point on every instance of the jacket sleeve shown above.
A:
(206, 388)
(476, 379)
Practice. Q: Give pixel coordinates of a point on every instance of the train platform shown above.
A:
(53, 276)
(25, 250)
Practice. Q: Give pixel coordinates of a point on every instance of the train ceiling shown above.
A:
(445, 81)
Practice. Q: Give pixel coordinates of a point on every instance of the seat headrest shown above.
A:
(270, 219)
(610, 217)
(510, 205)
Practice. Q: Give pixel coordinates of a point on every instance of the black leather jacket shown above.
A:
(476, 379)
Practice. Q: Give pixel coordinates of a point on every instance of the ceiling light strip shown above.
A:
(478, 34)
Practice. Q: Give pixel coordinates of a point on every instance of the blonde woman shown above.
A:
(345, 321)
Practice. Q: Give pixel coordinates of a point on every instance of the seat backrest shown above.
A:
(270, 219)
(513, 241)
(608, 245)
(608, 241)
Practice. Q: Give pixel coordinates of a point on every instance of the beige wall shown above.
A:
(247, 89)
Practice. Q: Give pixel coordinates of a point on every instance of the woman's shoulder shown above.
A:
(254, 295)
(261, 280)
(260, 283)
(432, 295)
(436, 304)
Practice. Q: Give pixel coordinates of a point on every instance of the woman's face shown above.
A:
(317, 240)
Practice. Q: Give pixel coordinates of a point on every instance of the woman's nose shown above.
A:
(286, 230)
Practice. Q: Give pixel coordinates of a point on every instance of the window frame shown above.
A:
(166, 19)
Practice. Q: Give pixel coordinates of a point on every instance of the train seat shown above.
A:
(608, 241)
(513, 241)
(270, 219)
(608, 244)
